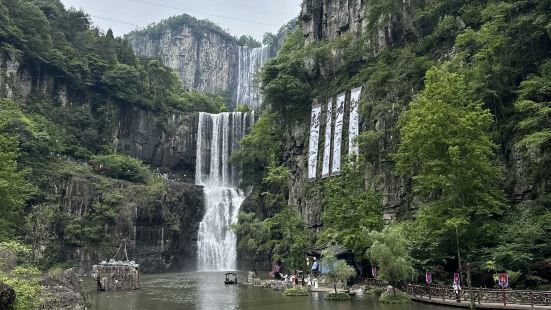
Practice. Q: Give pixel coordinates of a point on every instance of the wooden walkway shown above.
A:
(466, 304)
(483, 298)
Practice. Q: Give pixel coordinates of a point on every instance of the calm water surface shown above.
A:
(206, 291)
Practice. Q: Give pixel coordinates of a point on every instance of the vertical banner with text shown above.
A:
(337, 137)
(354, 124)
(314, 141)
(325, 171)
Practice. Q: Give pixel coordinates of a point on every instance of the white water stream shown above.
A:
(248, 86)
(218, 136)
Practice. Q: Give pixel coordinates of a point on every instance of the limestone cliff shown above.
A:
(207, 58)
(204, 59)
(328, 19)
(160, 222)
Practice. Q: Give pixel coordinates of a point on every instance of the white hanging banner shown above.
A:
(354, 124)
(337, 137)
(327, 147)
(314, 141)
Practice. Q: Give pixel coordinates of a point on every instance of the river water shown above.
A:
(206, 291)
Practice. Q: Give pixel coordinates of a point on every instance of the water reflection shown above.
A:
(206, 291)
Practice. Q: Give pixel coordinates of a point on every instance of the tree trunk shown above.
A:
(335, 286)
(394, 290)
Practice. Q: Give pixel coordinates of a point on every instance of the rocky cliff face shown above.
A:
(206, 58)
(164, 142)
(160, 223)
(206, 61)
(328, 19)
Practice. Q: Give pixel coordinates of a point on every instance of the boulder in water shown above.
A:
(7, 296)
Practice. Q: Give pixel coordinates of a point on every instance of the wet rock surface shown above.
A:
(7, 296)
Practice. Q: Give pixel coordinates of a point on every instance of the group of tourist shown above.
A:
(297, 276)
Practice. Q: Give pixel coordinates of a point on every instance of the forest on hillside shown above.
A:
(464, 92)
(467, 88)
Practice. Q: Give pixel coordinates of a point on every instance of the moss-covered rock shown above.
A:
(398, 298)
(295, 291)
(337, 297)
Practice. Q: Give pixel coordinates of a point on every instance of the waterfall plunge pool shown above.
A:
(206, 291)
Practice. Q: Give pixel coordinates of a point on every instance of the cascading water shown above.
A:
(218, 136)
(250, 61)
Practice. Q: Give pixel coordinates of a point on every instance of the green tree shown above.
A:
(338, 269)
(39, 229)
(447, 149)
(534, 125)
(243, 108)
(350, 211)
(223, 108)
(14, 187)
(389, 252)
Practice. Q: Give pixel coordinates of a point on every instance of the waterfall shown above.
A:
(250, 61)
(217, 137)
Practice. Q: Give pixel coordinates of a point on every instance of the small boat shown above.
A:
(228, 280)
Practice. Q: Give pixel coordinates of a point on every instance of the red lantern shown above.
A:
(503, 280)
(428, 277)
(456, 278)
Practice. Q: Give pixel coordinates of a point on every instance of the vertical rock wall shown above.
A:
(204, 61)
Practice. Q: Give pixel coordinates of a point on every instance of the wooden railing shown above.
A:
(481, 295)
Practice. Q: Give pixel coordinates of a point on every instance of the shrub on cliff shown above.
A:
(121, 167)
(26, 284)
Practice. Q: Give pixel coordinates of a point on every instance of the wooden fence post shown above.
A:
(531, 299)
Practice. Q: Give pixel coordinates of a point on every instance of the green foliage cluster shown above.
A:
(337, 269)
(375, 291)
(175, 23)
(337, 297)
(397, 298)
(121, 167)
(26, 283)
(15, 189)
(390, 253)
(350, 212)
(248, 41)
(279, 237)
(295, 291)
(451, 157)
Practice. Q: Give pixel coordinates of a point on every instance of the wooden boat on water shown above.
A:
(229, 280)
